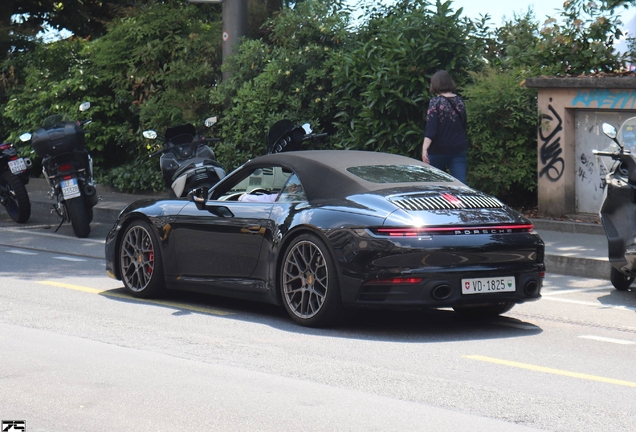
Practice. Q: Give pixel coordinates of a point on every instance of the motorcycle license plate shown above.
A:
(488, 285)
(17, 166)
(70, 189)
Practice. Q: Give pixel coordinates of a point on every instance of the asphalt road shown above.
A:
(78, 354)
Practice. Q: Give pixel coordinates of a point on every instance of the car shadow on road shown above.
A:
(409, 326)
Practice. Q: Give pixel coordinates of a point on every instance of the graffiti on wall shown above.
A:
(605, 98)
(550, 150)
(587, 173)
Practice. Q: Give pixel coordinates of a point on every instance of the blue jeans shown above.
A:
(456, 164)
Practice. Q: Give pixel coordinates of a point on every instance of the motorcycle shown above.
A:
(14, 175)
(618, 210)
(187, 162)
(284, 136)
(68, 168)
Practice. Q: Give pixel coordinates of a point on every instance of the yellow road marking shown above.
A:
(109, 293)
(551, 371)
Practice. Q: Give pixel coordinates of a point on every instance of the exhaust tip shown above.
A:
(89, 190)
(442, 292)
(531, 288)
(28, 162)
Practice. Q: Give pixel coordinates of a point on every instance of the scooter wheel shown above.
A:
(620, 281)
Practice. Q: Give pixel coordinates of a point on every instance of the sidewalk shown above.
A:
(572, 248)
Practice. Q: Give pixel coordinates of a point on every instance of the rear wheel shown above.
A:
(79, 217)
(620, 281)
(16, 198)
(309, 283)
(483, 311)
(140, 261)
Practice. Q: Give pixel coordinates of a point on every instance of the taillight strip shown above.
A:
(402, 232)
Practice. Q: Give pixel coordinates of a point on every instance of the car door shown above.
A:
(227, 245)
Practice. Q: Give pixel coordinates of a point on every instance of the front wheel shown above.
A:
(15, 198)
(140, 261)
(79, 217)
(309, 283)
(483, 311)
(620, 281)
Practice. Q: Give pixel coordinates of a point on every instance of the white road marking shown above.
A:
(571, 291)
(21, 252)
(597, 305)
(610, 340)
(69, 259)
(57, 236)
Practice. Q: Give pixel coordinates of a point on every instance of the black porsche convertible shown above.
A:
(321, 232)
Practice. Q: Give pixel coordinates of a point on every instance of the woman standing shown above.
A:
(445, 144)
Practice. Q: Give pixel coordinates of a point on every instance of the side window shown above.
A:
(293, 191)
(262, 184)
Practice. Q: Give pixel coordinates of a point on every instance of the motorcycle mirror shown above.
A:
(150, 134)
(84, 106)
(209, 122)
(609, 131)
(25, 137)
(307, 128)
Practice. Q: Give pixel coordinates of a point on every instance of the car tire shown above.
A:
(619, 280)
(309, 283)
(140, 261)
(483, 311)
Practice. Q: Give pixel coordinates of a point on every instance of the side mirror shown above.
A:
(198, 196)
(209, 122)
(609, 131)
(25, 137)
(84, 106)
(150, 134)
(307, 128)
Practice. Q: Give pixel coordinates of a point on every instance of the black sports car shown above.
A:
(322, 231)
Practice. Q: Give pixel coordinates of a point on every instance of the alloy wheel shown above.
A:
(305, 279)
(137, 258)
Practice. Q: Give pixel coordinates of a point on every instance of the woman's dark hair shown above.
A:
(441, 82)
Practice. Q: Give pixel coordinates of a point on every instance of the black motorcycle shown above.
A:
(68, 168)
(187, 162)
(14, 175)
(618, 211)
(285, 136)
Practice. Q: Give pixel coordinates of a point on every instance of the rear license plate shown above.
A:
(17, 166)
(488, 285)
(70, 189)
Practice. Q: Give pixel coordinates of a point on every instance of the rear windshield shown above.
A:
(399, 174)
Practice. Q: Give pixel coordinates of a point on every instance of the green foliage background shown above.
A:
(158, 64)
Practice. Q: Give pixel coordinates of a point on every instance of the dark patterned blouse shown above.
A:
(446, 125)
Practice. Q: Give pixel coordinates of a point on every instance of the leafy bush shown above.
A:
(502, 133)
(383, 82)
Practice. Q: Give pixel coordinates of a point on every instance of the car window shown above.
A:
(293, 191)
(399, 174)
(264, 182)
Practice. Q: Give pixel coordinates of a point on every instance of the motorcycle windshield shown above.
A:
(627, 135)
(184, 129)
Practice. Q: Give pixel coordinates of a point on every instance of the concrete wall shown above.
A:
(572, 110)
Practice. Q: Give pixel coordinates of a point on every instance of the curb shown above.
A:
(579, 267)
(568, 227)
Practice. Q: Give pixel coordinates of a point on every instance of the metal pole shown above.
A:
(234, 27)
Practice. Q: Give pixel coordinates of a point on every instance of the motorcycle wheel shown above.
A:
(17, 199)
(79, 217)
(140, 261)
(620, 281)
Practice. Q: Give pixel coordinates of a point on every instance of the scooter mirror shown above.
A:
(209, 122)
(25, 137)
(307, 128)
(150, 134)
(84, 106)
(609, 130)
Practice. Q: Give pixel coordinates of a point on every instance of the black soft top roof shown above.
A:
(324, 174)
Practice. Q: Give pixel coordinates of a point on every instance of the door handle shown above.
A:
(253, 229)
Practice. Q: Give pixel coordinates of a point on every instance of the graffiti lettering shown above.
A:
(550, 151)
(623, 99)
